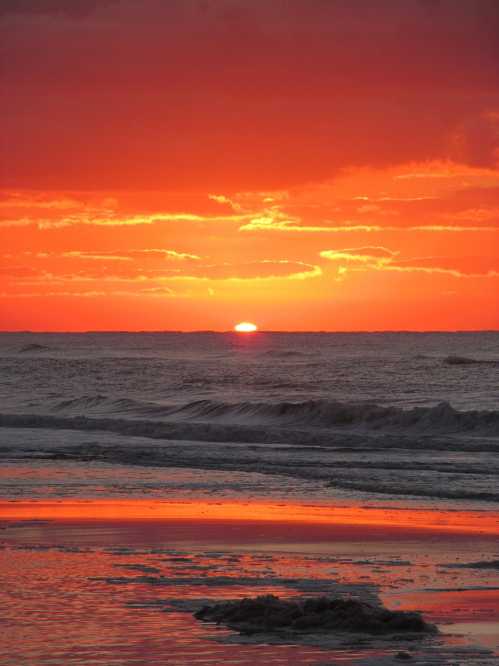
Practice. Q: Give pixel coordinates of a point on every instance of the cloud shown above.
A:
(222, 199)
(270, 223)
(157, 276)
(114, 219)
(151, 261)
(451, 228)
(131, 255)
(264, 269)
(94, 256)
(382, 259)
(372, 255)
(159, 292)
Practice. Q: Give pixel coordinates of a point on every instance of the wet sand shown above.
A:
(356, 518)
(103, 581)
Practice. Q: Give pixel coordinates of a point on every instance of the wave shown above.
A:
(104, 405)
(307, 414)
(326, 414)
(34, 347)
(386, 464)
(408, 489)
(321, 423)
(287, 353)
(464, 360)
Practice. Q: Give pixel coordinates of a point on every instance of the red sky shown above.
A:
(308, 165)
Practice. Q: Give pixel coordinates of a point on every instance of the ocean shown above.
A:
(371, 417)
(143, 475)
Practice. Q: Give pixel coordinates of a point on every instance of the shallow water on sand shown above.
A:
(105, 592)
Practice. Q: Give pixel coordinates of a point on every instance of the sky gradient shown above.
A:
(307, 165)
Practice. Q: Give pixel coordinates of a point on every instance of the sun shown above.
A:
(245, 327)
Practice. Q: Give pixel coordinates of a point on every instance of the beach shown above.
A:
(131, 496)
(104, 588)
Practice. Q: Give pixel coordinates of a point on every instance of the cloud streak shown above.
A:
(114, 220)
(271, 224)
(381, 259)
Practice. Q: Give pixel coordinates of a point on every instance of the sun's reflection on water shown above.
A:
(485, 522)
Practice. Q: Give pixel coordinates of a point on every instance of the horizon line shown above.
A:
(232, 331)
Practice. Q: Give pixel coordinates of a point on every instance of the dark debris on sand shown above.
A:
(320, 615)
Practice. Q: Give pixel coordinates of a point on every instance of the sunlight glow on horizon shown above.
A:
(181, 193)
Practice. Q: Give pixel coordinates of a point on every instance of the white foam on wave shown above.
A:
(441, 418)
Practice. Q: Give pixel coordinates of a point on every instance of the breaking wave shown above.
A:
(308, 414)
(373, 462)
(92, 404)
(325, 423)
(324, 414)
(435, 452)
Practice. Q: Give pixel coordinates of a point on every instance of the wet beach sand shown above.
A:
(111, 581)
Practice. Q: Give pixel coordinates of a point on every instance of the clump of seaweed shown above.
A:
(266, 614)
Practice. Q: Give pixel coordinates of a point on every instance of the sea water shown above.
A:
(377, 417)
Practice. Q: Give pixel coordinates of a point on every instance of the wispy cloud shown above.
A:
(273, 223)
(131, 255)
(451, 227)
(116, 219)
(383, 259)
(373, 255)
(222, 199)
(264, 269)
(158, 292)
(157, 281)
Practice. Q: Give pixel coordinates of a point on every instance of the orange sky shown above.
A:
(304, 165)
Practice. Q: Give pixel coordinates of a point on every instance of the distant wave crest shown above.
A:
(34, 348)
(464, 360)
(287, 353)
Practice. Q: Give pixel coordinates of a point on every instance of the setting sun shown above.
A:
(245, 327)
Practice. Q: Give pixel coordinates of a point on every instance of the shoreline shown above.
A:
(162, 554)
(351, 517)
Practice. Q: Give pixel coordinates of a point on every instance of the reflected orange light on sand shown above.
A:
(473, 522)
